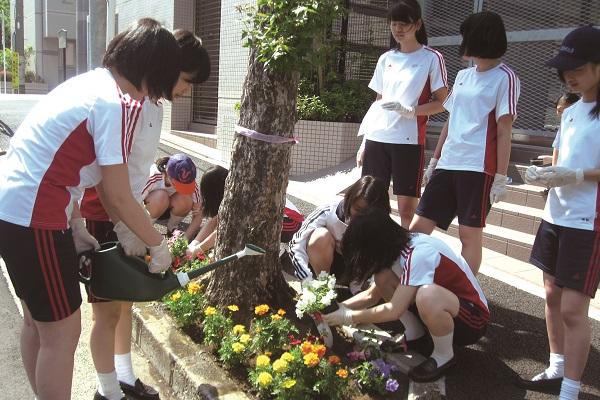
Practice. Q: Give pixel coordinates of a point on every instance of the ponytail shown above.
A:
(421, 34)
(595, 113)
(161, 164)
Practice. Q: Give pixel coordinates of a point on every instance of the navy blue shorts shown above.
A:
(448, 194)
(43, 268)
(401, 162)
(571, 256)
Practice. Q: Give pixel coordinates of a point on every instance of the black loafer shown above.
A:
(540, 385)
(140, 390)
(428, 370)
(98, 396)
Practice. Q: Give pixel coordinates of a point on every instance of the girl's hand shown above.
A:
(360, 156)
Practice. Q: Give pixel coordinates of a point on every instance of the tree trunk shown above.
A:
(252, 209)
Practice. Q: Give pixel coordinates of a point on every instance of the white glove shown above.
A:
(160, 258)
(532, 175)
(498, 190)
(341, 316)
(81, 237)
(132, 245)
(429, 171)
(405, 111)
(194, 249)
(560, 176)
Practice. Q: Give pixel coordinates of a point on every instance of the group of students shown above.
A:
(418, 279)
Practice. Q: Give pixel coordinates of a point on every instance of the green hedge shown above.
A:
(343, 102)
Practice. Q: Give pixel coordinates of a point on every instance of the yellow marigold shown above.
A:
(261, 310)
(264, 379)
(276, 317)
(210, 311)
(237, 347)
(233, 308)
(194, 287)
(239, 329)
(263, 361)
(334, 360)
(175, 296)
(281, 312)
(307, 347)
(245, 338)
(280, 365)
(287, 357)
(289, 383)
(342, 373)
(268, 353)
(311, 359)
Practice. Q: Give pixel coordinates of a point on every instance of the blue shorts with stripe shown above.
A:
(43, 268)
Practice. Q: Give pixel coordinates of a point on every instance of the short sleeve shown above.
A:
(438, 76)
(556, 142)
(449, 102)
(376, 82)
(508, 94)
(107, 125)
(420, 265)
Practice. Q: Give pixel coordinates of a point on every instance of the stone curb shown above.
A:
(186, 367)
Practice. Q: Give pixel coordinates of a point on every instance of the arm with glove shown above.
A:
(557, 176)
(435, 106)
(437, 153)
(504, 136)
(82, 239)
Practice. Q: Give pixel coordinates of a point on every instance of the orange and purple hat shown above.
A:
(182, 173)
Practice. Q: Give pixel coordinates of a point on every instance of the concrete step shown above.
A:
(207, 139)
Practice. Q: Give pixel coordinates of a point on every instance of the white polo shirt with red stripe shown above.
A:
(428, 260)
(56, 153)
(409, 78)
(156, 181)
(476, 102)
(577, 206)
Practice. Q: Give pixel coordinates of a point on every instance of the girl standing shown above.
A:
(567, 244)
(474, 146)
(411, 84)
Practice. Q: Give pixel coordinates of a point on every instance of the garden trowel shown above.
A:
(115, 276)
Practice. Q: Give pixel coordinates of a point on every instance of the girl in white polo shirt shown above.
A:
(411, 84)
(474, 146)
(567, 244)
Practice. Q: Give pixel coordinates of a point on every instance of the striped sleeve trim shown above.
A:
(512, 89)
(151, 181)
(441, 64)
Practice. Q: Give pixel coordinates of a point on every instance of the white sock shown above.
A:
(569, 389)
(173, 222)
(413, 328)
(442, 348)
(556, 369)
(124, 368)
(108, 386)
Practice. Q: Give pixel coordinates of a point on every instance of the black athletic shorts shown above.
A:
(43, 268)
(465, 194)
(103, 232)
(401, 162)
(570, 255)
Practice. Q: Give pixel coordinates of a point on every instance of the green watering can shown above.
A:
(116, 276)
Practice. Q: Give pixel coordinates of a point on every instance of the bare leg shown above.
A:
(30, 346)
(157, 202)
(437, 308)
(406, 209)
(123, 330)
(471, 239)
(554, 319)
(102, 337)
(422, 225)
(54, 367)
(321, 246)
(574, 308)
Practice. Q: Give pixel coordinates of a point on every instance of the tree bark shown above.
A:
(252, 208)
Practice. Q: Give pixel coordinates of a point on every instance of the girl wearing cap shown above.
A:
(411, 84)
(567, 244)
(78, 136)
(467, 173)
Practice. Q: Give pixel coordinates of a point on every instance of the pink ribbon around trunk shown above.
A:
(249, 133)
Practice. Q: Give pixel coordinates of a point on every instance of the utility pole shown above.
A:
(97, 33)
(62, 44)
(82, 8)
(3, 51)
(19, 43)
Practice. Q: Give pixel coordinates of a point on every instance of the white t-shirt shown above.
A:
(577, 206)
(56, 153)
(155, 181)
(409, 78)
(476, 102)
(430, 260)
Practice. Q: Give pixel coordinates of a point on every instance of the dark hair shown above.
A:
(370, 189)
(595, 111)
(568, 97)
(194, 57)
(161, 163)
(146, 53)
(212, 189)
(371, 243)
(483, 36)
(409, 11)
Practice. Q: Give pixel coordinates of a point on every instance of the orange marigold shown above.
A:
(319, 349)
(334, 360)
(281, 312)
(311, 359)
(307, 347)
(342, 373)
(261, 310)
